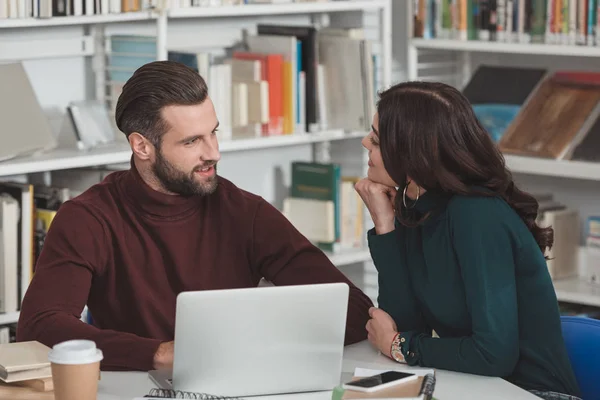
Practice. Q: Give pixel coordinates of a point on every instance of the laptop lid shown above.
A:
(260, 341)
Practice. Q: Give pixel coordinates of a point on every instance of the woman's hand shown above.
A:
(382, 330)
(379, 199)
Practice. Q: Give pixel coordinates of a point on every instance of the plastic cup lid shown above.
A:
(75, 352)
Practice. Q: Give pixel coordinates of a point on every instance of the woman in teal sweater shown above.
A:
(457, 248)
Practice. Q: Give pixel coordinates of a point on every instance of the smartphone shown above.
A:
(380, 381)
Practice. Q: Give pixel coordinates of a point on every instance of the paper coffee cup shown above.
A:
(75, 368)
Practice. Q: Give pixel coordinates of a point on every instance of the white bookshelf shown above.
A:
(481, 46)
(69, 21)
(349, 256)
(277, 9)
(119, 153)
(9, 318)
(577, 291)
(550, 167)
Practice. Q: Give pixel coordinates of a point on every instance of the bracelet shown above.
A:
(396, 350)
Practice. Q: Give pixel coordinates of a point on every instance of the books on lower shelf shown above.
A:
(26, 212)
(563, 257)
(323, 205)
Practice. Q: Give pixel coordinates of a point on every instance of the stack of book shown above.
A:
(25, 371)
(280, 81)
(324, 207)
(563, 257)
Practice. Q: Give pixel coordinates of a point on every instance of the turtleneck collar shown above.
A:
(433, 202)
(154, 203)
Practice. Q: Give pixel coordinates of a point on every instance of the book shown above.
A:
(321, 182)
(9, 255)
(419, 389)
(24, 361)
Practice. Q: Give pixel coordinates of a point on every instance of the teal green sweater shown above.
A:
(475, 275)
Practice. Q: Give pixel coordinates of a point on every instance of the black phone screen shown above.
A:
(380, 379)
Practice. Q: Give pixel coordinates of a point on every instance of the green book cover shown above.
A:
(319, 182)
(472, 20)
(538, 27)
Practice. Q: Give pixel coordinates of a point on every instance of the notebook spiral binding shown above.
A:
(177, 394)
(428, 386)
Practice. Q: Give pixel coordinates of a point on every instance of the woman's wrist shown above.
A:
(383, 228)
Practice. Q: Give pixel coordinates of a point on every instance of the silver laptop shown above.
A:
(258, 341)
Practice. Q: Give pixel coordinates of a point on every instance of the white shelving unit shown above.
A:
(576, 291)
(556, 168)
(69, 158)
(510, 48)
(575, 182)
(8, 318)
(83, 20)
(278, 9)
(48, 45)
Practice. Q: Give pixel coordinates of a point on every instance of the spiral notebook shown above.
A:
(177, 394)
(422, 389)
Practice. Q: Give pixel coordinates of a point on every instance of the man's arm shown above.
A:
(285, 257)
(74, 252)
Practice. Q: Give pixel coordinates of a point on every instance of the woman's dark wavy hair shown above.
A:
(429, 132)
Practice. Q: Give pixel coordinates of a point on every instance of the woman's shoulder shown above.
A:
(483, 204)
(484, 212)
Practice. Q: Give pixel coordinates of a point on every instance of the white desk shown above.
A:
(449, 385)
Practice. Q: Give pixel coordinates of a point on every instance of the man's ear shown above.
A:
(141, 146)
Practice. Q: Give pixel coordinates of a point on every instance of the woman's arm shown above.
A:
(396, 295)
(484, 245)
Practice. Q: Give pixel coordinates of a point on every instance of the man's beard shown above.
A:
(176, 181)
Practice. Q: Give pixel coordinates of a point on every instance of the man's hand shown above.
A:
(379, 200)
(382, 330)
(163, 358)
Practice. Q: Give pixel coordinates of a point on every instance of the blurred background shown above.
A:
(294, 85)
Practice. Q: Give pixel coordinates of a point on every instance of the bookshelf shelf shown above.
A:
(500, 47)
(577, 291)
(558, 168)
(277, 9)
(351, 256)
(9, 318)
(82, 20)
(67, 158)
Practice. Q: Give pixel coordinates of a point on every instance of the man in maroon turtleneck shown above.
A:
(127, 246)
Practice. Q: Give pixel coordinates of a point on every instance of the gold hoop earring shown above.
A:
(404, 196)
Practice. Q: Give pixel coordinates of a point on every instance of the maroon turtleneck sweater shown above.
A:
(126, 251)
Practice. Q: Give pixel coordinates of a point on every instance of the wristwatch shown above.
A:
(396, 351)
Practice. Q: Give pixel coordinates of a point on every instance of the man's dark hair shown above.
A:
(151, 88)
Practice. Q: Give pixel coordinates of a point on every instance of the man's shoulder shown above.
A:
(236, 196)
(100, 196)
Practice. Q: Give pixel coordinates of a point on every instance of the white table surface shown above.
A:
(449, 385)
